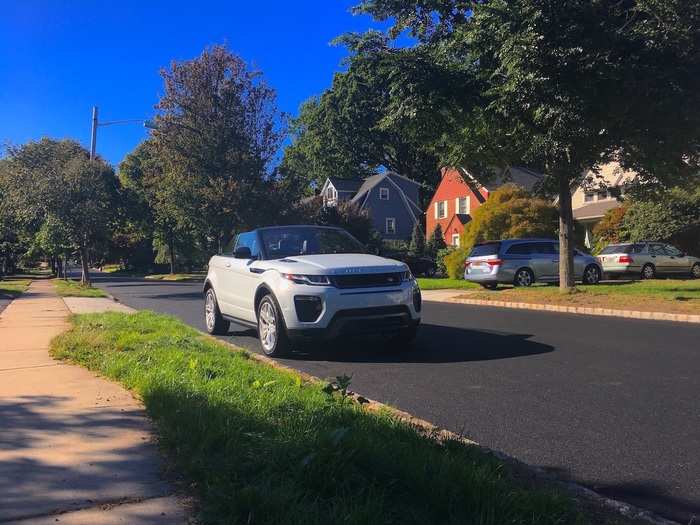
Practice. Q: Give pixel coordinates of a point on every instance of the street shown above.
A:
(609, 403)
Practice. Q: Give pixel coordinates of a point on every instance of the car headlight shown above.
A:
(314, 280)
(407, 276)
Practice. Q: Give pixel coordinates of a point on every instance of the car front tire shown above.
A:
(214, 321)
(271, 330)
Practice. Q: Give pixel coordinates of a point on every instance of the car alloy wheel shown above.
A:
(591, 275)
(695, 272)
(210, 310)
(268, 327)
(524, 277)
(648, 272)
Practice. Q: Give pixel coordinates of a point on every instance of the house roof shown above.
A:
(369, 183)
(595, 210)
(346, 184)
(524, 177)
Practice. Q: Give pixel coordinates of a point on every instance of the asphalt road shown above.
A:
(610, 403)
(4, 301)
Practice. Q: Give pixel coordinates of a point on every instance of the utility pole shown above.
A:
(93, 138)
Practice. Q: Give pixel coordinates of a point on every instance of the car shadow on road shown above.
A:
(434, 344)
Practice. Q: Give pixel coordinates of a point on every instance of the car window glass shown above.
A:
(519, 249)
(490, 248)
(656, 249)
(615, 248)
(639, 248)
(670, 250)
(543, 248)
(249, 240)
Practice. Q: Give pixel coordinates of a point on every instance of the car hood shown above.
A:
(336, 264)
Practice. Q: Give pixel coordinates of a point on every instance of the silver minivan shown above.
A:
(647, 260)
(523, 262)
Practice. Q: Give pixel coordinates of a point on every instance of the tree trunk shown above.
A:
(85, 278)
(566, 236)
(171, 248)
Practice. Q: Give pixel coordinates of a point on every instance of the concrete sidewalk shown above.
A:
(74, 448)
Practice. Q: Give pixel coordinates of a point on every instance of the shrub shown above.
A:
(436, 242)
(608, 230)
(452, 262)
(417, 246)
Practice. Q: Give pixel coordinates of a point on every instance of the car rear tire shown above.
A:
(591, 275)
(648, 271)
(271, 330)
(524, 277)
(695, 271)
(213, 320)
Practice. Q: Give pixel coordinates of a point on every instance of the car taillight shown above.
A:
(466, 263)
(494, 262)
(625, 259)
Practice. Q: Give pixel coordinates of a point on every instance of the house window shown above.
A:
(455, 239)
(589, 196)
(462, 205)
(441, 209)
(331, 194)
(390, 225)
(383, 194)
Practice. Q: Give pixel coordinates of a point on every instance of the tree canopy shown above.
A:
(561, 87)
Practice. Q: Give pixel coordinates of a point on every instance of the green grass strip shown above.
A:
(68, 288)
(13, 287)
(436, 283)
(263, 446)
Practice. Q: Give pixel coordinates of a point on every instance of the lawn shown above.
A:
(658, 295)
(194, 276)
(13, 287)
(435, 283)
(75, 289)
(262, 445)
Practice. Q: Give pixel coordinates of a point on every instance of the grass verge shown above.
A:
(261, 445)
(13, 287)
(435, 283)
(195, 276)
(661, 295)
(75, 289)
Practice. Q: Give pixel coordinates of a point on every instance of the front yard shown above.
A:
(660, 295)
(264, 445)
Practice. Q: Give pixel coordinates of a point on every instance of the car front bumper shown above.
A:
(352, 310)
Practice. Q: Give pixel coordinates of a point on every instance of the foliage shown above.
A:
(53, 190)
(345, 214)
(239, 431)
(344, 133)
(608, 229)
(217, 132)
(417, 246)
(452, 263)
(435, 243)
(561, 87)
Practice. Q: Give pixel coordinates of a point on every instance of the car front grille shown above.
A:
(367, 280)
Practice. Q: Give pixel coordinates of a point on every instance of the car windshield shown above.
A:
(489, 248)
(307, 240)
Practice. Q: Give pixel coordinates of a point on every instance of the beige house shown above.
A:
(598, 193)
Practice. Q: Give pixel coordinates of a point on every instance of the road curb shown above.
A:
(582, 310)
(440, 434)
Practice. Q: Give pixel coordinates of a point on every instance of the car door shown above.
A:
(241, 278)
(544, 261)
(580, 261)
(678, 261)
(659, 259)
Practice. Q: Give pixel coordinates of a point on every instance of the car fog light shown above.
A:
(308, 307)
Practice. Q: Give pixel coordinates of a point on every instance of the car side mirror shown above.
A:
(243, 252)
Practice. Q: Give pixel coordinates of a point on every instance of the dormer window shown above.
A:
(383, 194)
(331, 195)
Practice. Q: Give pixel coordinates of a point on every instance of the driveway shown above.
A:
(610, 403)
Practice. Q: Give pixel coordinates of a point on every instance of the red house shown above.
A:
(459, 194)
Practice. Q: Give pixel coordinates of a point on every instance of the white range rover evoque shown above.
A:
(295, 283)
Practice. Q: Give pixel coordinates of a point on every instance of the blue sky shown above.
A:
(59, 58)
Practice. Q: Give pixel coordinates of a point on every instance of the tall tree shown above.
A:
(562, 86)
(217, 132)
(53, 188)
(344, 133)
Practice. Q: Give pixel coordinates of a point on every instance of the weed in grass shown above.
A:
(262, 446)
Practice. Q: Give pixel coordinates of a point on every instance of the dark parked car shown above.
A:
(418, 265)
